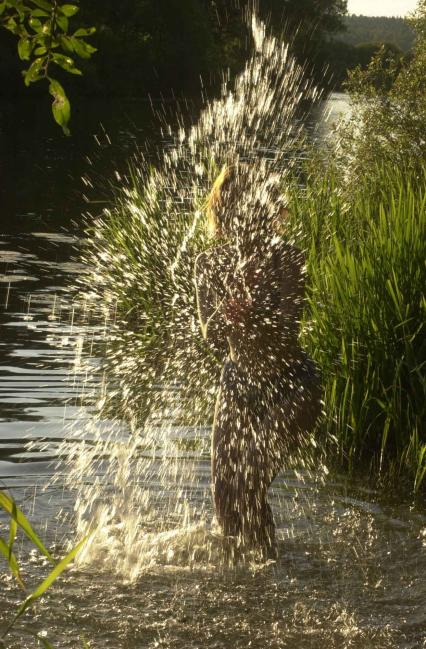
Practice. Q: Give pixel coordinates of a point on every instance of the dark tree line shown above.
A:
(165, 46)
(342, 58)
(372, 29)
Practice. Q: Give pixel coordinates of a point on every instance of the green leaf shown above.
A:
(39, 13)
(85, 31)
(69, 10)
(43, 4)
(66, 63)
(42, 39)
(56, 89)
(46, 29)
(8, 504)
(12, 561)
(36, 24)
(33, 72)
(82, 49)
(24, 48)
(63, 23)
(12, 26)
(46, 583)
(40, 50)
(66, 43)
(2, 7)
(61, 108)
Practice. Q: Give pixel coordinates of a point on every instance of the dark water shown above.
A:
(43, 201)
(352, 565)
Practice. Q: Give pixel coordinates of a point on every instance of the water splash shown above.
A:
(137, 477)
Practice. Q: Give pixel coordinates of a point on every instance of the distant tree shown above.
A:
(306, 15)
(389, 110)
(371, 29)
(341, 57)
(365, 52)
(150, 46)
(306, 24)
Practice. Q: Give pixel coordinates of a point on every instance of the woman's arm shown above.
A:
(210, 316)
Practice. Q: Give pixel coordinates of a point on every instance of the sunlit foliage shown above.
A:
(45, 41)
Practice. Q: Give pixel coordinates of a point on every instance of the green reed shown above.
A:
(365, 321)
(18, 521)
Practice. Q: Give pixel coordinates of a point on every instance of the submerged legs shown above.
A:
(249, 446)
(241, 477)
(240, 490)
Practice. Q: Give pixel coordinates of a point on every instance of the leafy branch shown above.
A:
(44, 40)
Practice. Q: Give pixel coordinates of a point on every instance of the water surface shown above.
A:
(352, 564)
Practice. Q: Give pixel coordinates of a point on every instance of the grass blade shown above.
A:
(13, 528)
(8, 504)
(12, 561)
(46, 583)
(421, 468)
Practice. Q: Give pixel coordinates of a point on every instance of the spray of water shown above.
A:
(140, 475)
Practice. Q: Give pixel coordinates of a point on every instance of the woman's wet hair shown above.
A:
(219, 202)
(233, 201)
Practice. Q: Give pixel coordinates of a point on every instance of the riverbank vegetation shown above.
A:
(363, 217)
(365, 319)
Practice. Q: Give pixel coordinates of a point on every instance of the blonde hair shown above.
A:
(223, 193)
(215, 200)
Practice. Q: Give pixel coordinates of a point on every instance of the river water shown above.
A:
(352, 562)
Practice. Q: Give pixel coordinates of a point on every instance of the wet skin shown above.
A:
(269, 395)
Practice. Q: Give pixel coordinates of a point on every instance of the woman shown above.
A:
(250, 298)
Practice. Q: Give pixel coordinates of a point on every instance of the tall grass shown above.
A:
(365, 322)
(140, 258)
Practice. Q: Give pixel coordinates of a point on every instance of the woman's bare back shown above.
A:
(251, 308)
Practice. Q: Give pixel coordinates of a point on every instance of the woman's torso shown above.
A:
(271, 282)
